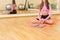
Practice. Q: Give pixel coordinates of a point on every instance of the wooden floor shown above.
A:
(19, 28)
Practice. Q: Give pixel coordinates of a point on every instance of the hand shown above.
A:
(42, 20)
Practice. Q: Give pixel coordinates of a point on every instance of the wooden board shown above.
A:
(19, 29)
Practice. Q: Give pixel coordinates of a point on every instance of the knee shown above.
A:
(33, 21)
(51, 22)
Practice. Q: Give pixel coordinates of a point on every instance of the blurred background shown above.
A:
(31, 6)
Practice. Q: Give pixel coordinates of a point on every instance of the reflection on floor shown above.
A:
(4, 12)
(19, 29)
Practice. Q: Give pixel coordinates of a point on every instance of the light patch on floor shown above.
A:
(20, 29)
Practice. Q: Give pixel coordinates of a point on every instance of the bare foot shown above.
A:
(35, 25)
(41, 25)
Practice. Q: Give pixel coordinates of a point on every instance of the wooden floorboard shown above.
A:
(20, 29)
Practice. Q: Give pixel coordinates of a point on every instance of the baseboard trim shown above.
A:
(22, 15)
